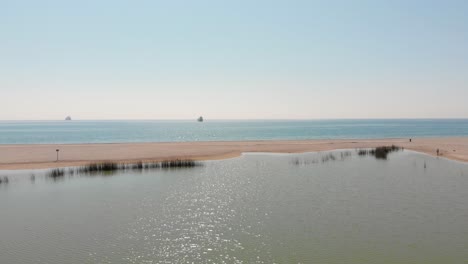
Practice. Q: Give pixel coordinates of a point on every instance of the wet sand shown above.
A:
(13, 157)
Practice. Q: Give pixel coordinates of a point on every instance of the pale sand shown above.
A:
(44, 156)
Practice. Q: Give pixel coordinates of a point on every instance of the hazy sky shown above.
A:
(233, 59)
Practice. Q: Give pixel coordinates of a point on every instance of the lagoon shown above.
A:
(325, 207)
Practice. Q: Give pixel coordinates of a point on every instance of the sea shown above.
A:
(119, 131)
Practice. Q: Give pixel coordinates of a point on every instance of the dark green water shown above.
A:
(258, 208)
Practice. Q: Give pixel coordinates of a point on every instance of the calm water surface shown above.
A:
(259, 208)
(24, 132)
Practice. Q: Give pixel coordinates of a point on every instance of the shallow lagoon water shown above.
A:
(259, 208)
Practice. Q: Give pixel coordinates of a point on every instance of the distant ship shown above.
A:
(200, 119)
(68, 118)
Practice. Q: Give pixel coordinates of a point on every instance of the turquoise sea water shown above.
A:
(37, 132)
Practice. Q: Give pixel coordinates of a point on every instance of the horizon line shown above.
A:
(240, 119)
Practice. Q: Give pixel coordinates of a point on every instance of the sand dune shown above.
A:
(44, 156)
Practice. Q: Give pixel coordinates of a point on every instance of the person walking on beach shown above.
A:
(437, 152)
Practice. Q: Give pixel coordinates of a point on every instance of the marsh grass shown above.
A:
(343, 155)
(379, 152)
(299, 161)
(108, 167)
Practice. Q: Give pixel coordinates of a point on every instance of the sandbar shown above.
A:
(40, 156)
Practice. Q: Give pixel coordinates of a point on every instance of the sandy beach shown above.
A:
(13, 157)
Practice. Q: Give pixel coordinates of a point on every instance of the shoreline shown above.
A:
(43, 156)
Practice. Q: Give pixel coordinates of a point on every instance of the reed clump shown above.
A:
(179, 164)
(328, 157)
(4, 180)
(298, 161)
(98, 167)
(343, 155)
(379, 152)
(56, 173)
(138, 166)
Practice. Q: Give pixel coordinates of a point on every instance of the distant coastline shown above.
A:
(38, 156)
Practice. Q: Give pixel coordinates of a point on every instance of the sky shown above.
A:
(112, 59)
